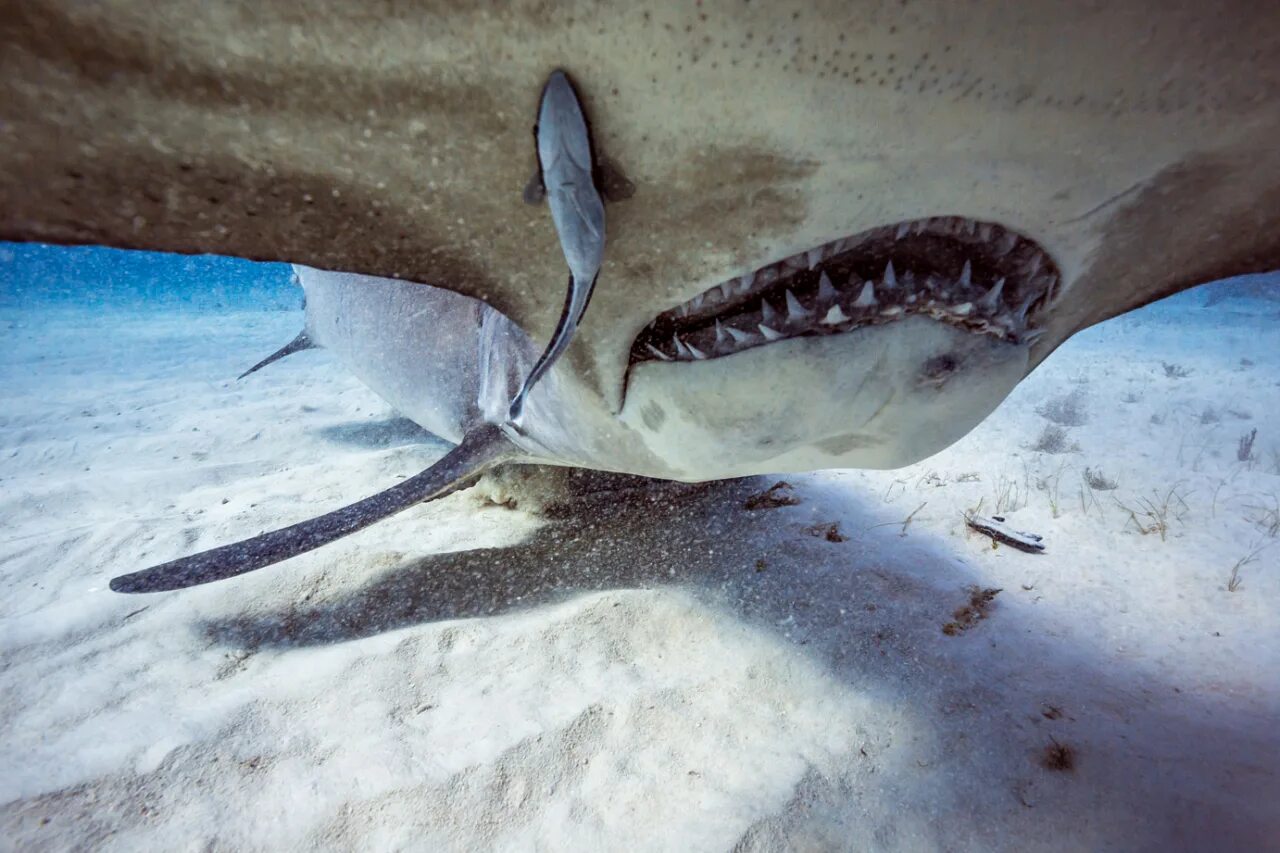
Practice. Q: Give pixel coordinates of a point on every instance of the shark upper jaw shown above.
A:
(973, 275)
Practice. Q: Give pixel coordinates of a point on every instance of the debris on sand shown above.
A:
(779, 494)
(1058, 756)
(999, 531)
(830, 532)
(970, 614)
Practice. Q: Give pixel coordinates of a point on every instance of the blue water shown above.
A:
(35, 275)
(38, 275)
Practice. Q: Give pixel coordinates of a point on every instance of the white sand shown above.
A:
(660, 669)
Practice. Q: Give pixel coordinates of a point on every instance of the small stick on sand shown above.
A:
(996, 528)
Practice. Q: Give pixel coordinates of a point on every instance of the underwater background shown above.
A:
(530, 663)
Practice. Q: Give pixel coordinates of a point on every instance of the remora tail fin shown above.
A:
(565, 327)
(298, 344)
(481, 448)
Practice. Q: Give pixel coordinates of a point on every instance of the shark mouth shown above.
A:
(976, 276)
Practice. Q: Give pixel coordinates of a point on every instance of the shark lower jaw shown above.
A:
(976, 276)
(881, 396)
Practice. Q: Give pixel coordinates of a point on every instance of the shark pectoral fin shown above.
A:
(480, 449)
(298, 344)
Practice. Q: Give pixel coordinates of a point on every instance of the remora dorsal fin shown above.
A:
(481, 448)
(298, 344)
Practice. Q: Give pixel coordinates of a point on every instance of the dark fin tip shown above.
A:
(298, 344)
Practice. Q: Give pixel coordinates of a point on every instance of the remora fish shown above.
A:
(567, 175)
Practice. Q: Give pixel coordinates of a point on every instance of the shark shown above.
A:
(839, 234)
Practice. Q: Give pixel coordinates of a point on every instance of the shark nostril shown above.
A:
(977, 276)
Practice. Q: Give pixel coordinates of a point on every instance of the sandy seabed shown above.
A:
(648, 666)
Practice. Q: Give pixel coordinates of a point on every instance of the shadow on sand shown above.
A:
(380, 434)
(1147, 760)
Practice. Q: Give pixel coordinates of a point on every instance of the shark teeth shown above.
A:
(1003, 284)
(867, 298)
(767, 313)
(1020, 314)
(890, 277)
(835, 316)
(687, 350)
(826, 291)
(795, 311)
(991, 301)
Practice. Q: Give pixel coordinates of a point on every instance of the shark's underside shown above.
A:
(839, 233)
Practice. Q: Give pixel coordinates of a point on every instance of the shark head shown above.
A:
(1025, 172)
(869, 351)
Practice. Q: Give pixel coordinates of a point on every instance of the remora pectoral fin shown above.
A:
(480, 449)
(534, 191)
(298, 344)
